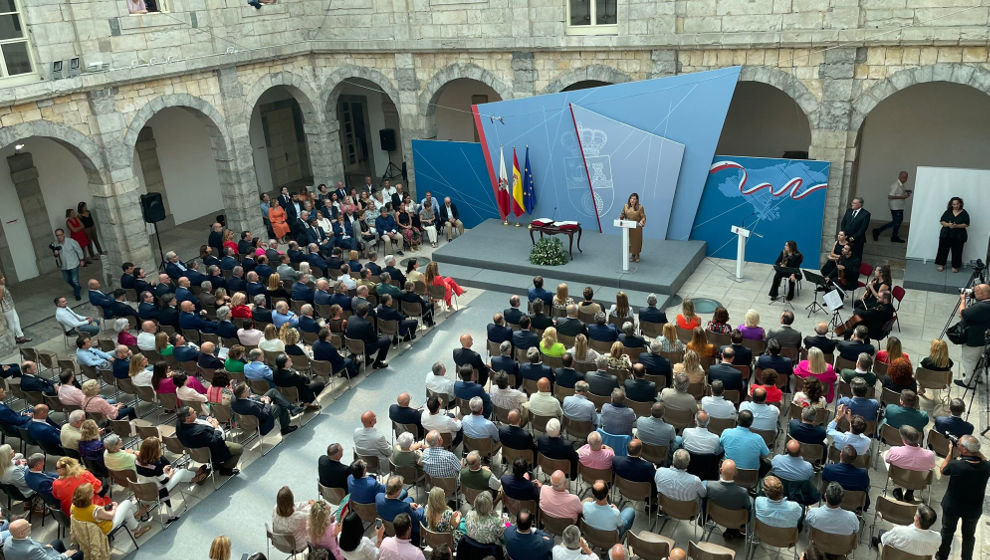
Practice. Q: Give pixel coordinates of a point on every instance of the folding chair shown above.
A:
(773, 536)
(681, 510)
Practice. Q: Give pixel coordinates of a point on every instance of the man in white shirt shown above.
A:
(69, 319)
(542, 402)
(578, 406)
(716, 406)
(367, 441)
(831, 518)
(572, 546)
(699, 440)
(916, 538)
(895, 201)
(506, 397)
(764, 415)
(435, 418)
(676, 483)
(146, 339)
(438, 382)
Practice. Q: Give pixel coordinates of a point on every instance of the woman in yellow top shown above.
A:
(107, 520)
(692, 367)
(549, 345)
(633, 211)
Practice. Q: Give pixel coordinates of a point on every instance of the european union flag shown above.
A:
(529, 189)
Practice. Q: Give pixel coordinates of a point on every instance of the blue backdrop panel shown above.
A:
(618, 154)
(780, 199)
(688, 109)
(457, 170)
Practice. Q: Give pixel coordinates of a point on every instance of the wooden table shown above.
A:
(554, 230)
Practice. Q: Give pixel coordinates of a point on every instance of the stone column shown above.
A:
(665, 63)
(831, 139)
(235, 166)
(413, 124)
(147, 154)
(24, 176)
(523, 75)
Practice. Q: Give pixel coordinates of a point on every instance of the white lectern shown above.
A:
(625, 225)
(742, 234)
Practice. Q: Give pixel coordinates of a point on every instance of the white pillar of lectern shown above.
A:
(742, 234)
(625, 225)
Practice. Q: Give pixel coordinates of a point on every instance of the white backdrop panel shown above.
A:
(933, 187)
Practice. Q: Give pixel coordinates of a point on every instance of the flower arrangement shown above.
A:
(548, 251)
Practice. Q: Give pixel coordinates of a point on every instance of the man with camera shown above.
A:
(69, 256)
(976, 320)
(968, 471)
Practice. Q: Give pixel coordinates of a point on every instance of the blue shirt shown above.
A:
(867, 408)
(279, 319)
(258, 370)
(784, 513)
(388, 508)
(792, 469)
(835, 521)
(605, 517)
(364, 490)
(478, 427)
(535, 545)
(93, 357)
(860, 442)
(744, 447)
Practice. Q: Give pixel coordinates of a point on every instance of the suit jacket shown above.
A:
(656, 364)
(308, 324)
(362, 329)
(446, 215)
(228, 263)
(254, 407)
(200, 435)
(395, 274)
(640, 390)
(302, 292)
(503, 363)
(786, 336)
(41, 482)
(604, 333)
(45, 433)
(264, 271)
(262, 314)
(193, 321)
(326, 351)
(652, 315)
(332, 474)
(824, 343)
(515, 437)
(743, 356)
(99, 299)
(632, 341)
(524, 340)
(567, 377)
(636, 469)
(169, 316)
(780, 364)
(30, 548)
(806, 433)
(728, 495)
(467, 390)
(236, 284)
(571, 326)
(183, 294)
(851, 349)
(406, 415)
(499, 334)
(601, 383)
(127, 281)
(254, 289)
(943, 424)
(11, 418)
(535, 372)
(37, 383)
(209, 361)
(512, 315)
(856, 227)
(557, 448)
(540, 293)
(226, 329)
(729, 376)
(466, 356)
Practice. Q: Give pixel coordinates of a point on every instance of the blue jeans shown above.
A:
(91, 330)
(896, 218)
(71, 278)
(628, 516)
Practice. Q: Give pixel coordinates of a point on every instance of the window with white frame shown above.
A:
(15, 53)
(591, 17)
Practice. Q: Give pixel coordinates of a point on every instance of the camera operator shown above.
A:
(976, 318)
(70, 255)
(963, 499)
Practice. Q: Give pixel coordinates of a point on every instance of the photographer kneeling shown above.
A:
(963, 499)
(976, 320)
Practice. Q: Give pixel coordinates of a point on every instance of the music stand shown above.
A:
(787, 272)
(821, 284)
(834, 301)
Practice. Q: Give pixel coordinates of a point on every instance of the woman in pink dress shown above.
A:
(816, 366)
(433, 278)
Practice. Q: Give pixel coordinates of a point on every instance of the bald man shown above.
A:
(976, 317)
(402, 413)
(796, 474)
(43, 430)
(369, 442)
(617, 552)
(20, 545)
(513, 435)
(466, 356)
(189, 319)
(821, 339)
(146, 338)
(207, 358)
(677, 554)
(726, 493)
(557, 501)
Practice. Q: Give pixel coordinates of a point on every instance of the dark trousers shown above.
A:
(775, 285)
(349, 369)
(896, 218)
(407, 326)
(307, 393)
(127, 411)
(949, 521)
(280, 408)
(58, 546)
(944, 246)
(381, 347)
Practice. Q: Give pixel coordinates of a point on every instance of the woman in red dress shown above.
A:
(433, 278)
(228, 241)
(77, 231)
(276, 215)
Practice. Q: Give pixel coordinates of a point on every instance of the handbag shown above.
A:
(957, 333)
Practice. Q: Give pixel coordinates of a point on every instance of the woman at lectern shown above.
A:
(953, 235)
(633, 211)
(789, 258)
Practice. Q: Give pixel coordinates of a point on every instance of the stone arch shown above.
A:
(86, 151)
(198, 105)
(338, 76)
(301, 89)
(596, 72)
(970, 75)
(429, 95)
(786, 83)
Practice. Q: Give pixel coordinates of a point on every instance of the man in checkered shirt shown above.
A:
(437, 461)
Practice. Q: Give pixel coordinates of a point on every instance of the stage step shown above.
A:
(514, 283)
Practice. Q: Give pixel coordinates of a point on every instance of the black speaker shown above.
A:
(387, 137)
(152, 207)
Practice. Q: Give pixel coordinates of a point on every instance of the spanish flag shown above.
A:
(518, 204)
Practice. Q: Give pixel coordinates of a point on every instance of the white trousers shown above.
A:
(125, 515)
(14, 322)
(431, 232)
(970, 357)
(179, 476)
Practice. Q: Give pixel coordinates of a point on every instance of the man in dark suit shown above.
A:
(407, 326)
(467, 389)
(402, 413)
(504, 361)
(512, 313)
(181, 349)
(848, 264)
(147, 308)
(553, 446)
(263, 269)
(855, 222)
(874, 319)
(498, 331)
(184, 294)
(224, 454)
(127, 278)
(42, 429)
(950, 425)
(141, 283)
(188, 319)
(743, 355)
(655, 363)
(244, 246)
(600, 382)
(805, 430)
(316, 235)
(99, 299)
(650, 313)
(229, 261)
(537, 292)
(267, 408)
(786, 335)
(307, 320)
(169, 312)
(207, 357)
(359, 327)
(315, 260)
(773, 360)
(333, 473)
(601, 331)
(847, 475)
(731, 377)
(727, 494)
(260, 313)
(858, 343)
(566, 375)
(236, 282)
(409, 295)
(633, 467)
(449, 218)
(303, 289)
(393, 272)
(466, 356)
(821, 340)
(629, 338)
(254, 287)
(38, 480)
(535, 369)
(322, 295)
(31, 381)
(524, 339)
(571, 325)
(513, 436)
(638, 388)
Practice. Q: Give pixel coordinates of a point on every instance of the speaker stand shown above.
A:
(161, 254)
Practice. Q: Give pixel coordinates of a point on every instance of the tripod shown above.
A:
(161, 263)
(973, 384)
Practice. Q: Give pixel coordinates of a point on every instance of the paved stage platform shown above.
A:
(919, 275)
(495, 257)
